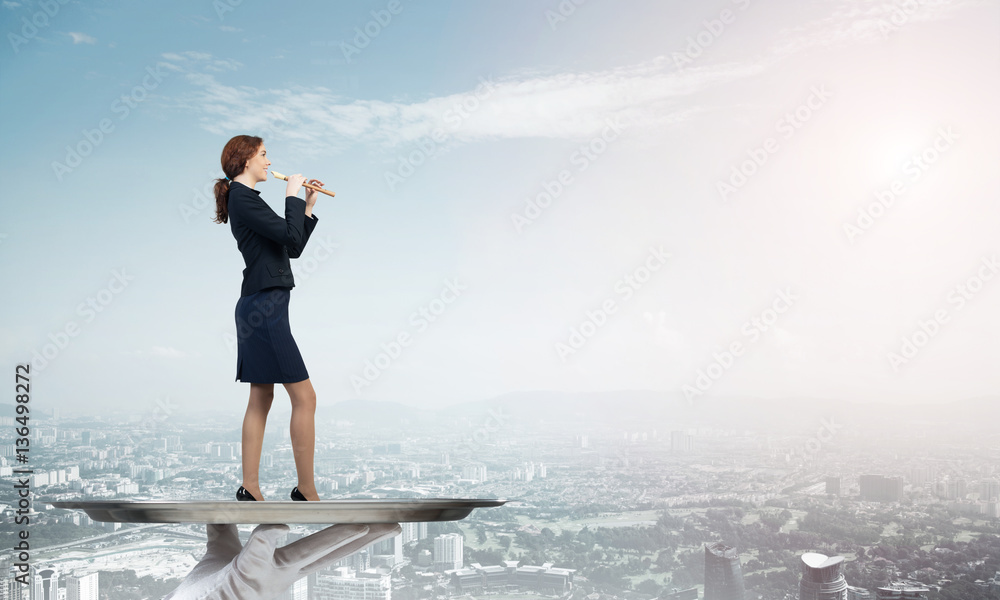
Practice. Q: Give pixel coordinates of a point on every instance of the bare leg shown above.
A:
(261, 395)
(303, 434)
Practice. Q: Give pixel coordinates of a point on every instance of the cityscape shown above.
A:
(632, 495)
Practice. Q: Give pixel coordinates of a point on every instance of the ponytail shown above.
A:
(235, 155)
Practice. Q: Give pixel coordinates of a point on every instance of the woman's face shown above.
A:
(257, 166)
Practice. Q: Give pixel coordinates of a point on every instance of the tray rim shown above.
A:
(359, 510)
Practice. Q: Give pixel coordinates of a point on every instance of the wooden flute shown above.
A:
(308, 185)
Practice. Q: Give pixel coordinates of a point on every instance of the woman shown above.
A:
(266, 352)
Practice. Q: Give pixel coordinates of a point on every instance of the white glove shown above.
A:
(259, 570)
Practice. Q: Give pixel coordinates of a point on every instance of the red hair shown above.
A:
(235, 155)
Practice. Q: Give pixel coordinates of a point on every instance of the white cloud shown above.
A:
(82, 38)
(864, 21)
(565, 105)
(522, 105)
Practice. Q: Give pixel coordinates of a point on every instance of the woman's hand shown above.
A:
(313, 195)
(294, 184)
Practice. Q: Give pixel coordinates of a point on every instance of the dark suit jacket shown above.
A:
(267, 241)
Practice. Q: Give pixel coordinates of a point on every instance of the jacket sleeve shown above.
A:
(308, 224)
(255, 214)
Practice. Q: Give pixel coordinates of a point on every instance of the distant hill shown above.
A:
(641, 406)
(644, 409)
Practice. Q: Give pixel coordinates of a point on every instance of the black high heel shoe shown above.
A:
(243, 495)
(297, 495)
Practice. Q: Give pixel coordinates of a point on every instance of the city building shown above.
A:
(45, 585)
(346, 584)
(299, 590)
(544, 579)
(82, 587)
(854, 593)
(903, 590)
(723, 576)
(876, 488)
(475, 472)
(10, 588)
(448, 549)
(822, 578)
(833, 486)
(957, 489)
(413, 532)
(681, 442)
(388, 552)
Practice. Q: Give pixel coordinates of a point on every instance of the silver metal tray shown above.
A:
(388, 510)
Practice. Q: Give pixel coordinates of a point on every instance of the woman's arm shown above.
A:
(248, 210)
(308, 225)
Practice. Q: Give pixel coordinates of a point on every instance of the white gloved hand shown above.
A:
(259, 570)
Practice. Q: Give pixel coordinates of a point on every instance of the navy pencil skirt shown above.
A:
(265, 350)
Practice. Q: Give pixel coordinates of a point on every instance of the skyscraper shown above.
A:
(448, 551)
(681, 442)
(876, 488)
(389, 550)
(822, 578)
(84, 587)
(413, 532)
(46, 585)
(723, 576)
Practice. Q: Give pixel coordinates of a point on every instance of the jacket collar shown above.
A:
(233, 183)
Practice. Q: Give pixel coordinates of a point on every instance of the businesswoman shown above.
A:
(266, 352)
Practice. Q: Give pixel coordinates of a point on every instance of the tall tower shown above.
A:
(46, 585)
(448, 551)
(723, 576)
(822, 578)
(83, 587)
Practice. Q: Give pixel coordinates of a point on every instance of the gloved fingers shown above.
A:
(223, 541)
(259, 550)
(315, 546)
(376, 533)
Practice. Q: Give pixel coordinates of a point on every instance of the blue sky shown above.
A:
(749, 141)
